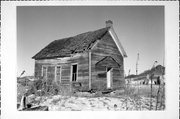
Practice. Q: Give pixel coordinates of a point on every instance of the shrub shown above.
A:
(38, 84)
(65, 90)
(54, 89)
(42, 87)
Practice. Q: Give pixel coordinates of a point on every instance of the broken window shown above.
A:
(74, 72)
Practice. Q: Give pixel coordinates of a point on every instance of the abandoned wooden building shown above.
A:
(156, 75)
(93, 60)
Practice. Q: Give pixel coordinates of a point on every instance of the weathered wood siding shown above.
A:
(104, 47)
(65, 63)
(107, 47)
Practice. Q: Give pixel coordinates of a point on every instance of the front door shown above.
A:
(109, 76)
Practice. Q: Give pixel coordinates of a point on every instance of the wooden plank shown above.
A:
(83, 74)
(111, 44)
(65, 78)
(83, 70)
(66, 67)
(108, 48)
(105, 52)
(50, 61)
(83, 78)
(65, 81)
(66, 60)
(83, 66)
(65, 72)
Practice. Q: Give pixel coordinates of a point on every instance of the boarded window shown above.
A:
(58, 74)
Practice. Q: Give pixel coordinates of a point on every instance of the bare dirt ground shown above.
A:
(72, 103)
(132, 97)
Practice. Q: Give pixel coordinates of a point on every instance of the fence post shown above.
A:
(157, 97)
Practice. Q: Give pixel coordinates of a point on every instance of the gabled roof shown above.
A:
(67, 46)
(158, 70)
(107, 61)
(130, 76)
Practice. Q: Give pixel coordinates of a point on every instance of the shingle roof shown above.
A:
(67, 46)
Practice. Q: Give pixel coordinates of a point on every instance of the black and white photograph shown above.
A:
(92, 58)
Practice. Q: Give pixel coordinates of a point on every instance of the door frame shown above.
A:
(111, 69)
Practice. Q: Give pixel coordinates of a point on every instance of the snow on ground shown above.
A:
(74, 103)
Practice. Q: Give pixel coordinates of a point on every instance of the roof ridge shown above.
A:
(82, 33)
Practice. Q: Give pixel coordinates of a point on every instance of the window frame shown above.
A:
(42, 71)
(72, 72)
(59, 72)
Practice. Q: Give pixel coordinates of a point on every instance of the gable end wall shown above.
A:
(107, 47)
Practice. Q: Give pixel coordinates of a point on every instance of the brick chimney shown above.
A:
(109, 23)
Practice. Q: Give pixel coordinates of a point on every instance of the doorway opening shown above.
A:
(109, 77)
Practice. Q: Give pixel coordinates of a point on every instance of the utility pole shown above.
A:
(137, 64)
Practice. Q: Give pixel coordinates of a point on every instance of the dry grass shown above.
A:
(156, 97)
(141, 90)
(133, 97)
(40, 87)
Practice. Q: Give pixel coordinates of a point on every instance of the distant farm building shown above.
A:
(156, 74)
(91, 60)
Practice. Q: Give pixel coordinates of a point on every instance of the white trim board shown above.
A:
(117, 41)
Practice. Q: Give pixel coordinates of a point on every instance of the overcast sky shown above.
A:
(139, 29)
